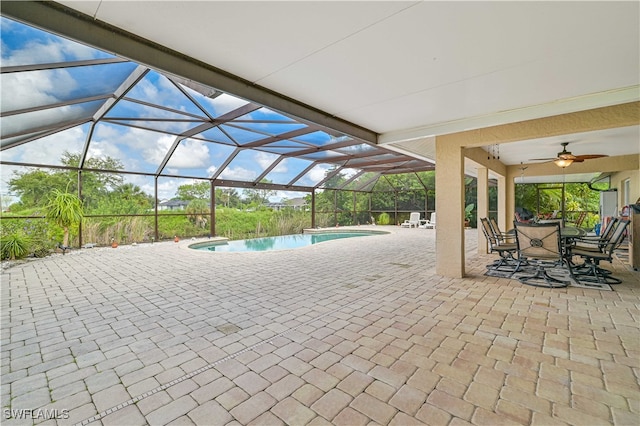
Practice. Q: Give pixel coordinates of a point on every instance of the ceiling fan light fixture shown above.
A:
(561, 162)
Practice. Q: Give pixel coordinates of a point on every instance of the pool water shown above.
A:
(278, 243)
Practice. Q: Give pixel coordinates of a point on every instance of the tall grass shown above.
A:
(230, 223)
(124, 230)
(287, 222)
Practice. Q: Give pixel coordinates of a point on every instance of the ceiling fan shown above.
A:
(566, 158)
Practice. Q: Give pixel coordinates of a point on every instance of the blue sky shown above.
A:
(153, 99)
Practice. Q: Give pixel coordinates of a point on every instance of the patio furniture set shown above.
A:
(545, 254)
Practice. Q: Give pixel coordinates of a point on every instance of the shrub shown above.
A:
(14, 246)
(383, 219)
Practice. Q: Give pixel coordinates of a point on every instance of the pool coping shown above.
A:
(195, 243)
(337, 230)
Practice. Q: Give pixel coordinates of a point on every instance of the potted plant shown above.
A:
(468, 214)
(65, 210)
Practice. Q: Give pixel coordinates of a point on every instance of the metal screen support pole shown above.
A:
(80, 196)
(395, 206)
(212, 226)
(335, 206)
(155, 208)
(313, 209)
(355, 213)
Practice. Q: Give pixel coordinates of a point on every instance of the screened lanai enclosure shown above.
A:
(153, 155)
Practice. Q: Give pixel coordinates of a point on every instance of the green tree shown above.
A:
(228, 197)
(200, 190)
(34, 186)
(198, 210)
(259, 196)
(124, 199)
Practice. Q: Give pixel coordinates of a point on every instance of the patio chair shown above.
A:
(540, 245)
(429, 223)
(595, 242)
(414, 220)
(590, 270)
(506, 262)
(503, 237)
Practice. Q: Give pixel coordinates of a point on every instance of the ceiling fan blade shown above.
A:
(589, 156)
(543, 159)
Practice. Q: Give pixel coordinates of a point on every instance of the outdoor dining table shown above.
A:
(568, 234)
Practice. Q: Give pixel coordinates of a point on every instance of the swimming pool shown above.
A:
(282, 242)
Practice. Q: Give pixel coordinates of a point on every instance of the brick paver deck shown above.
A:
(350, 332)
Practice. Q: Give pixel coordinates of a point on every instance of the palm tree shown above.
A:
(197, 209)
(65, 210)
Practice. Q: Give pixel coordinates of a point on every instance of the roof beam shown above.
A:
(54, 105)
(224, 165)
(329, 147)
(258, 185)
(398, 159)
(268, 169)
(198, 129)
(57, 65)
(53, 128)
(351, 179)
(281, 137)
(38, 135)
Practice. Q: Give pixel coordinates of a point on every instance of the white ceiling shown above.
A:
(413, 69)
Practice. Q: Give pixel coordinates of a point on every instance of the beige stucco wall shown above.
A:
(617, 182)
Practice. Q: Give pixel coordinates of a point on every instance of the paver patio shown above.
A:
(350, 332)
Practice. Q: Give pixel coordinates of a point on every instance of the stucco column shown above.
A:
(510, 207)
(449, 209)
(503, 222)
(482, 204)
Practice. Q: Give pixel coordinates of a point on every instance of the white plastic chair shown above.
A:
(431, 223)
(414, 220)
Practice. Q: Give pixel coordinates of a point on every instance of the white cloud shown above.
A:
(282, 167)
(41, 53)
(6, 173)
(28, 89)
(223, 104)
(190, 154)
(239, 173)
(167, 188)
(348, 173)
(47, 150)
(104, 149)
(318, 173)
(265, 159)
